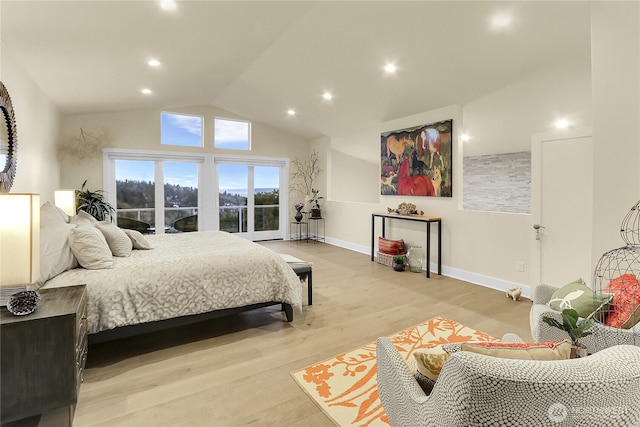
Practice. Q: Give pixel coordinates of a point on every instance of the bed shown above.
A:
(185, 277)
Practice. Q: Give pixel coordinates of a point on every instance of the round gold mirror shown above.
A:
(8, 141)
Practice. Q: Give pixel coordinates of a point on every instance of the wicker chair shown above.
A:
(479, 390)
(602, 336)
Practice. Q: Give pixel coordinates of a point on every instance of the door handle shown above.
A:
(537, 227)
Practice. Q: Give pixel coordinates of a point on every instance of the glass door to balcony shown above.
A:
(249, 200)
(180, 196)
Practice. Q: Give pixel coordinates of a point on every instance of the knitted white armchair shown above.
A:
(602, 336)
(478, 390)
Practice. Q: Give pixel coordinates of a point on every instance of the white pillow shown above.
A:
(55, 252)
(119, 243)
(90, 248)
(83, 218)
(138, 240)
(52, 215)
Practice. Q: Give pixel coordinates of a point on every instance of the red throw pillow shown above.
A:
(626, 299)
(391, 247)
(516, 350)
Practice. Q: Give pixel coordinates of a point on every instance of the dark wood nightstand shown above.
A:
(43, 355)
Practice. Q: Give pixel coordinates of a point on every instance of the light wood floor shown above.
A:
(235, 371)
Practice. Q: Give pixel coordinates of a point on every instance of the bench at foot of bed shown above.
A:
(304, 270)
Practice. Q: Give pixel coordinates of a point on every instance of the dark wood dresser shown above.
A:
(43, 355)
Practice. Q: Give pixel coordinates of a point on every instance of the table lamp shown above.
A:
(66, 200)
(19, 243)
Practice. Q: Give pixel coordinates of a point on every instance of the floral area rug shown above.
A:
(345, 386)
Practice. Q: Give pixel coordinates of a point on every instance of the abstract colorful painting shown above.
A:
(417, 161)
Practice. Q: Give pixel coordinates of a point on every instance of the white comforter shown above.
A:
(186, 273)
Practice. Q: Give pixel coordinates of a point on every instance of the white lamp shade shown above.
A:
(19, 239)
(66, 200)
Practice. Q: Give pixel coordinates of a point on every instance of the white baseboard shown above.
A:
(349, 245)
(467, 276)
(482, 280)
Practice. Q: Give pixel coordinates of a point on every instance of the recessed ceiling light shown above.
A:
(501, 20)
(153, 63)
(146, 91)
(390, 68)
(291, 112)
(168, 4)
(328, 96)
(562, 124)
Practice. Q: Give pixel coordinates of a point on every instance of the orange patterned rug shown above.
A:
(345, 386)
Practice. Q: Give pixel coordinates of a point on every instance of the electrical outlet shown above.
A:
(520, 266)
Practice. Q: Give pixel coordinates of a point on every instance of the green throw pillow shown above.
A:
(581, 298)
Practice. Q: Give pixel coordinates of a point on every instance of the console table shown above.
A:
(428, 220)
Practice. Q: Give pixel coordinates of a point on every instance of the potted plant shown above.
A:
(93, 203)
(316, 212)
(576, 329)
(398, 263)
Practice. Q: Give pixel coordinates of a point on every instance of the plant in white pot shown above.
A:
(574, 327)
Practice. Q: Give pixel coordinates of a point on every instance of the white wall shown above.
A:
(615, 51)
(37, 121)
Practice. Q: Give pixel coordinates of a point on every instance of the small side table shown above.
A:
(316, 236)
(301, 226)
(43, 356)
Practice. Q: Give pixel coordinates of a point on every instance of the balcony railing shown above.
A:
(232, 218)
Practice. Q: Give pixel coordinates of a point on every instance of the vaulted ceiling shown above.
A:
(258, 59)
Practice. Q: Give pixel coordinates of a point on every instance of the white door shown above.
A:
(562, 197)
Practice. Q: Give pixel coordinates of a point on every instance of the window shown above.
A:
(180, 129)
(266, 196)
(135, 194)
(232, 197)
(168, 192)
(232, 134)
(180, 196)
(249, 197)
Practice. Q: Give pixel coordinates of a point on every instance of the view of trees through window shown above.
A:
(234, 209)
(157, 192)
(136, 200)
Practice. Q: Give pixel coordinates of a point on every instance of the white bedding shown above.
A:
(185, 273)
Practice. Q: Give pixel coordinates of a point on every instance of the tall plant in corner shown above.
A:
(304, 174)
(93, 203)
